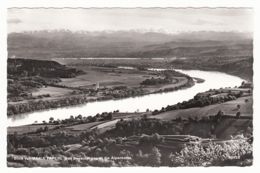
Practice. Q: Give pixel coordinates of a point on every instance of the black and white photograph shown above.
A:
(129, 87)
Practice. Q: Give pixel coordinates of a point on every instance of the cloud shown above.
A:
(204, 22)
(15, 21)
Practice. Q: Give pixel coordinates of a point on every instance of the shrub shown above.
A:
(220, 114)
(109, 116)
(204, 118)
(153, 139)
(154, 157)
(238, 114)
(119, 140)
(22, 151)
(196, 155)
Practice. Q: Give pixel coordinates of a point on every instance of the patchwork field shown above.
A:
(77, 128)
(110, 77)
(106, 77)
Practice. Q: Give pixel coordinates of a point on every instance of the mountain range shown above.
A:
(131, 43)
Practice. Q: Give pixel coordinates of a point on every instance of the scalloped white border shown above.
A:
(128, 4)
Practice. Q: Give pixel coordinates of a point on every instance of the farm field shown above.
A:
(230, 108)
(119, 115)
(107, 125)
(111, 77)
(27, 128)
(223, 130)
(53, 91)
(86, 126)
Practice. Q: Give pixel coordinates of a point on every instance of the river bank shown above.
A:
(154, 101)
(238, 66)
(78, 123)
(116, 88)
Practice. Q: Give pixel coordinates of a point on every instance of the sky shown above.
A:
(165, 20)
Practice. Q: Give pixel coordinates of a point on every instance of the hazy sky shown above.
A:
(170, 19)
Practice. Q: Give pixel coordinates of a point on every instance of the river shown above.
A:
(213, 80)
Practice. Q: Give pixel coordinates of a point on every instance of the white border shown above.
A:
(127, 4)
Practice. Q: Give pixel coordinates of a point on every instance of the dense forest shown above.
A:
(43, 68)
(26, 75)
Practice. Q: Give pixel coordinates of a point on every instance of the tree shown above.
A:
(238, 106)
(89, 118)
(220, 114)
(163, 109)
(51, 119)
(22, 151)
(125, 153)
(199, 103)
(109, 116)
(246, 100)
(207, 103)
(155, 157)
(119, 140)
(214, 154)
(212, 128)
(93, 119)
(241, 93)
(24, 73)
(46, 128)
(80, 116)
(238, 114)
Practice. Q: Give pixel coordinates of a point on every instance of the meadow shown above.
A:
(230, 108)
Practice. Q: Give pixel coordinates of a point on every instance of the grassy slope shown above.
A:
(223, 130)
(75, 128)
(26, 128)
(85, 126)
(230, 108)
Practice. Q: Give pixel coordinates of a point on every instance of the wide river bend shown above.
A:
(213, 80)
